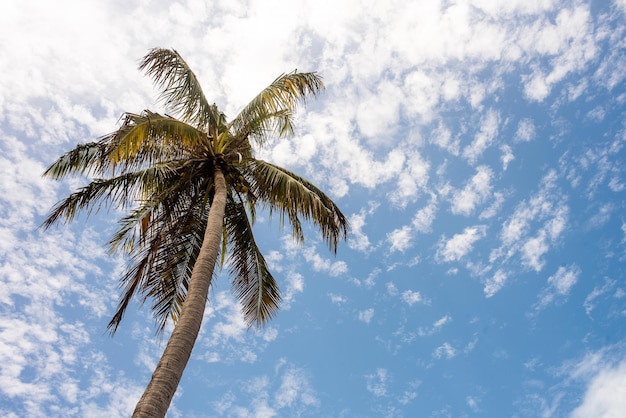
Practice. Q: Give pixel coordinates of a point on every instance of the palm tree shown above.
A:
(191, 186)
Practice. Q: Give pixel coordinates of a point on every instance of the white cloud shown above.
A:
(274, 261)
(424, 218)
(494, 208)
(533, 250)
(410, 180)
(563, 280)
(370, 279)
(559, 285)
(410, 297)
(338, 268)
(337, 299)
(377, 384)
(377, 112)
(507, 156)
(526, 131)
(472, 403)
(475, 192)
(523, 7)
(407, 397)
(232, 327)
(602, 216)
(289, 392)
(590, 301)
(392, 290)
(445, 351)
(604, 375)
(461, 244)
(547, 212)
(436, 327)
(400, 239)
(295, 285)
(366, 315)
(321, 264)
(295, 388)
(424, 89)
(568, 40)
(358, 240)
(442, 137)
(495, 283)
(605, 396)
(485, 136)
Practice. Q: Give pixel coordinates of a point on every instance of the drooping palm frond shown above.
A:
(253, 285)
(162, 252)
(271, 111)
(174, 267)
(119, 191)
(160, 190)
(182, 93)
(81, 160)
(293, 196)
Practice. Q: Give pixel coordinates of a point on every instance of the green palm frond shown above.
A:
(182, 93)
(80, 160)
(174, 267)
(162, 254)
(253, 284)
(295, 197)
(271, 111)
(161, 191)
(118, 191)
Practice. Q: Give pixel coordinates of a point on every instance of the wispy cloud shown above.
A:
(436, 327)
(377, 383)
(400, 239)
(558, 286)
(475, 192)
(366, 315)
(445, 351)
(526, 130)
(410, 297)
(494, 283)
(545, 211)
(455, 248)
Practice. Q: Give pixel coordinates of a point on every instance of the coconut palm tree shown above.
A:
(191, 185)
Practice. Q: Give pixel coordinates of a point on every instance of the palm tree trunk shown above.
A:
(158, 395)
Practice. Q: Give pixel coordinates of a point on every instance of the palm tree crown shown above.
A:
(171, 173)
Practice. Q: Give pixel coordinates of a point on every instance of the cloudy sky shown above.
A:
(477, 146)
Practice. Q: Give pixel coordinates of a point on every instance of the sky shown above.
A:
(477, 147)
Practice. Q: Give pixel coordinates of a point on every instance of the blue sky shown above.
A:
(477, 147)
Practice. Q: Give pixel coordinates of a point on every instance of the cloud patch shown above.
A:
(457, 247)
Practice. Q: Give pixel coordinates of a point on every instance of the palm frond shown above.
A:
(80, 160)
(120, 191)
(271, 111)
(293, 196)
(163, 254)
(149, 137)
(182, 93)
(253, 284)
